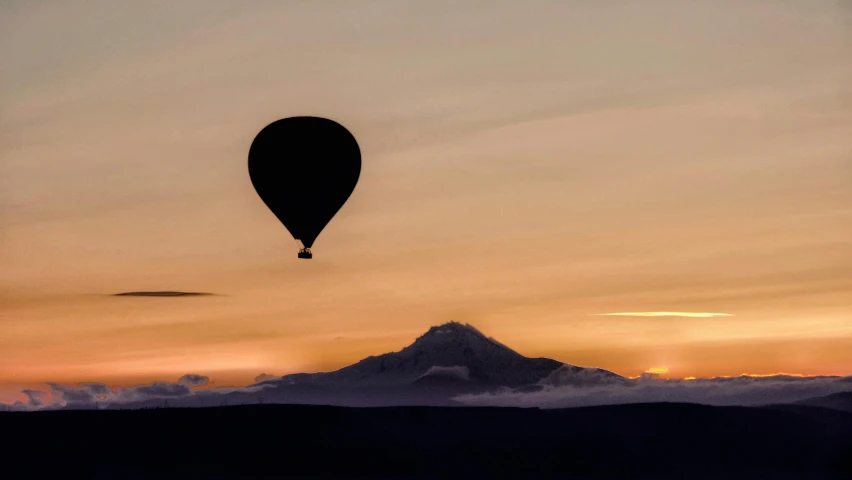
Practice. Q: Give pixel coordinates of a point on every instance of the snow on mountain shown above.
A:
(461, 373)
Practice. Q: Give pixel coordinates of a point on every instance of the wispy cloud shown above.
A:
(161, 294)
(669, 314)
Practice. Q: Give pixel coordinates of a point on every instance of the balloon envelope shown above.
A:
(304, 169)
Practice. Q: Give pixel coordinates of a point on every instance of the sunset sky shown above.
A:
(528, 167)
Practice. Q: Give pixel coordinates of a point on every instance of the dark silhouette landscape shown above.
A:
(663, 440)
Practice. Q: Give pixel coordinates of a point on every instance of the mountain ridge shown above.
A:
(836, 401)
(487, 363)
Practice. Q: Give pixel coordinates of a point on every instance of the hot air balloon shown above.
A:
(304, 169)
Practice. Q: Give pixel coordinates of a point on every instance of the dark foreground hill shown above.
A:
(285, 441)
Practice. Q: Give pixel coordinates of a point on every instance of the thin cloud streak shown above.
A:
(669, 314)
(162, 294)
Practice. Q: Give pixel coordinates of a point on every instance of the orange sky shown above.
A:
(527, 166)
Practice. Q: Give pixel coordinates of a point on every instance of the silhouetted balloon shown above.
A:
(304, 169)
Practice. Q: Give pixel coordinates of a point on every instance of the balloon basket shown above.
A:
(305, 253)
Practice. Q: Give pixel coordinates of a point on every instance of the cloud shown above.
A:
(743, 390)
(96, 389)
(72, 395)
(34, 397)
(193, 380)
(668, 314)
(161, 294)
(87, 395)
(163, 389)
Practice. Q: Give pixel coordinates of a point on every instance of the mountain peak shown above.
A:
(451, 346)
(453, 325)
(453, 328)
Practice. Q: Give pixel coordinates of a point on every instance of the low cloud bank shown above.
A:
(720, 391)
(567, 386)
(99, 395)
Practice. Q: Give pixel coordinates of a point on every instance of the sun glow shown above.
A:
(657, 370)
(779, 374)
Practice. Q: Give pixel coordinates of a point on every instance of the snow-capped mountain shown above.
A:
(445, 362)
(452, 356)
